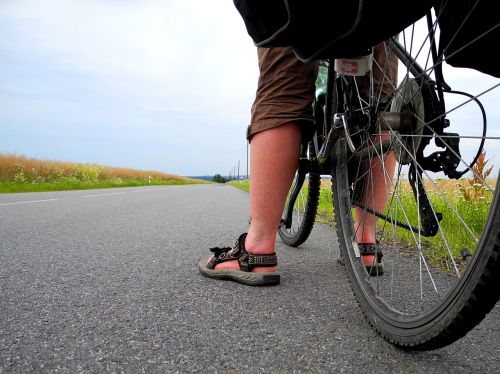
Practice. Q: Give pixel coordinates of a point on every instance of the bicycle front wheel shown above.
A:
(298, 219)
(424, 191)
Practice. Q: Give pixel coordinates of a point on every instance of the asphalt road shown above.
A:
(107, 281)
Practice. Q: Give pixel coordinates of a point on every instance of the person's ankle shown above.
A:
(262, 246)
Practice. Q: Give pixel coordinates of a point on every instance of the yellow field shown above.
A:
(445, 185)
(16, 168)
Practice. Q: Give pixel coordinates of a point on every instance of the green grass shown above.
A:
(325, 212)
(435, 248)
(453, 235)
(243, 185)
(65, 185)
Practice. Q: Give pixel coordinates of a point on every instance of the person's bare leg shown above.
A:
(274, 156)
(378, 184)
(379, 178)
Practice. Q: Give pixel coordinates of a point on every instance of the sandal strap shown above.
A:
(246, 260)
(373, 249)
(262, 260)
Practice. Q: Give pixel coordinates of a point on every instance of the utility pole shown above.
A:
(238, 169)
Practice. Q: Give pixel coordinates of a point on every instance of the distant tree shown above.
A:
(219, 178)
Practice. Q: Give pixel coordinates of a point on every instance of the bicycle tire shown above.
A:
(457, 316)
(417, 303)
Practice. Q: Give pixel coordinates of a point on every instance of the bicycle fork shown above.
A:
(303, 169)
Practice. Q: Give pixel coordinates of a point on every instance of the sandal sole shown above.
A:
(244, 277)
(375, 269)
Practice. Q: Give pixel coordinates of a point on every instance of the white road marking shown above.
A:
(105, 194)
(153, 189)
(28, 202)
(86, 196)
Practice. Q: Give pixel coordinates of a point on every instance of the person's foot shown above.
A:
(240, 265)
(254, 248)
(368, 259)
(371, 257)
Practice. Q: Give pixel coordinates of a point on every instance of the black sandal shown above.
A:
(246, 261)
(375, 268)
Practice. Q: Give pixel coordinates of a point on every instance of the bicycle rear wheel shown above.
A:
(438, 230)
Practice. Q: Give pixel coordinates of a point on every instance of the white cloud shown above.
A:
(167, 48)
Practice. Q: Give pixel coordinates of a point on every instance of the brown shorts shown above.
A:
(286, 87)
(285, 91)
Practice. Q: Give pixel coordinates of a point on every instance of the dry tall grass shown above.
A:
(17, 168)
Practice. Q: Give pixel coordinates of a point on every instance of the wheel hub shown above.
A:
(408, 98)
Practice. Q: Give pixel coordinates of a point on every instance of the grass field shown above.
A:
(23, 174)
(465, 198)
(242, 185)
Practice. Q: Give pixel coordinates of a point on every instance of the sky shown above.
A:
(164, 85)
(150, 84)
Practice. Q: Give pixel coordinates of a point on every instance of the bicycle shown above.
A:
(439, 231)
